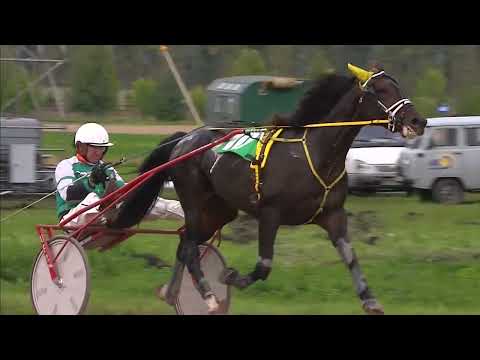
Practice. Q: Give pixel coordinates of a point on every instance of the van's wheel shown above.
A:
(448, 191)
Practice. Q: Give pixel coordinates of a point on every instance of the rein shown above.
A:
(326, 187)
(393, 109)
(330, 124)
(303, 140)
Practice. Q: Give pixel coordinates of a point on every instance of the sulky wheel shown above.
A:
(71, 297)
(189, 301)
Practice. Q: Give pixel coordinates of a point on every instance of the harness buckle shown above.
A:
(391, 125)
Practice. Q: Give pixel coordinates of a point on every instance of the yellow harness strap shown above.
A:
(258, 151)
(349, 123)
(256, 167)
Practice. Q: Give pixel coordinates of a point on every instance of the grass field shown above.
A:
(418, 257)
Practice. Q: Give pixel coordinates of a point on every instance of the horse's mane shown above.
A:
(319, 100)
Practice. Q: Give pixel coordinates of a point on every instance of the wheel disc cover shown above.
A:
(71, 299)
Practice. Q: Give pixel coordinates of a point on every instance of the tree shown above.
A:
(425, 105)
(249, 62)
(94, 81)
(14, 78)
(432, 84)
(199, 98)
(161, 100)
(406, 62)
(462, 68)
(320, 65)
(468, 102)
(130, 63)
(171, 105)
(145, 94)
(430, 91)
(280, 59)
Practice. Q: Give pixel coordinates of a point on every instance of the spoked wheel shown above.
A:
(69, 298)
(189, 301)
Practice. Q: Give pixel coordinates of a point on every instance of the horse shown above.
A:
(303, 181)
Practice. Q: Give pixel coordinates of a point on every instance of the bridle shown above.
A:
(393, 109)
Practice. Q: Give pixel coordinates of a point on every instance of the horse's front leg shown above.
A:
(268, 223)
(335, 223)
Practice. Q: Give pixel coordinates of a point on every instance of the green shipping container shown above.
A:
(252, 100)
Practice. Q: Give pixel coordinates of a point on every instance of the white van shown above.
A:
(445, 161)
(372, 161)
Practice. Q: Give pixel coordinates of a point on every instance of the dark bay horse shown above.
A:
(212, 188)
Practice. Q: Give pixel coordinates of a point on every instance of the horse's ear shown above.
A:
(376, 67)
(360, 74)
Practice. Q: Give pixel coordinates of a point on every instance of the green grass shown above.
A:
(425, 260)
(418, 257)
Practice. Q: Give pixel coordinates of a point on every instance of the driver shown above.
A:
(91, 144)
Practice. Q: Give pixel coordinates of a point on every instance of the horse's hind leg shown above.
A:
(335, 223)
(169, 292)
(201, 226)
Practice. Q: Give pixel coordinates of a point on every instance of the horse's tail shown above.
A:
(137, 205)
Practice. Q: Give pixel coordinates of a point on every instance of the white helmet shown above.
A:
(92, 134)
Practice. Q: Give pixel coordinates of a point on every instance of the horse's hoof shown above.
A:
(373, 307)
(212, 304)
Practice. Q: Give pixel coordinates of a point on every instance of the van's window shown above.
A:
(444, 137)
(373, 136)
(473, 136)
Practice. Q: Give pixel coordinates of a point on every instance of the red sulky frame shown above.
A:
(46, 232)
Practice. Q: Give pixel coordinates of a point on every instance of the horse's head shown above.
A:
(381, 95)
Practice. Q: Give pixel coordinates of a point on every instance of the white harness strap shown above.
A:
(364, 85)
(392, 110)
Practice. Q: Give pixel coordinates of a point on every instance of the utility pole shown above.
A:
(29, 86)
(34, 59)
(53, 85)
(181, 85)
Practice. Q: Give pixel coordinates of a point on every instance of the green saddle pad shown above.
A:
(242, 144)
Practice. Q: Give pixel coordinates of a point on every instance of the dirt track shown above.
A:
(130, 129)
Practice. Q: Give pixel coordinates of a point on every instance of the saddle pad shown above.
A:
(243, 145)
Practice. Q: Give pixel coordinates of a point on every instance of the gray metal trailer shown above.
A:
(22, 168)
